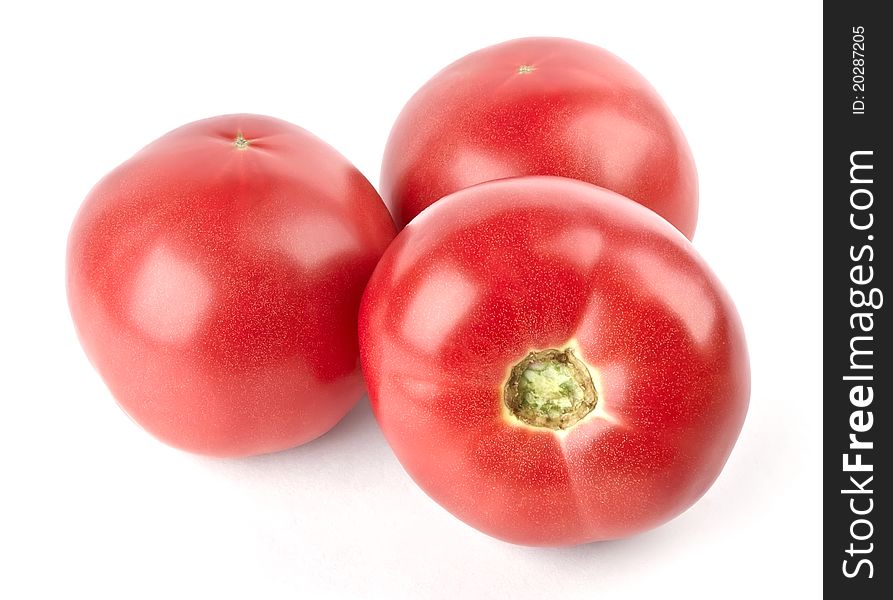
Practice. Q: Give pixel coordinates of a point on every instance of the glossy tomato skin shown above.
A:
(498, 270)
(540, 106)
(214, 280)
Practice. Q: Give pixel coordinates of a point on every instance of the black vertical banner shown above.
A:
(858, 366)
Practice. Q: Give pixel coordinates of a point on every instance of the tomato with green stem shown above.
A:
(552, 362)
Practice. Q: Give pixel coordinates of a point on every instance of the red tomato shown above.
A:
(214, 280)
(553, 363)
(540, 106)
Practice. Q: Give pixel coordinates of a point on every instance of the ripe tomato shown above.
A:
(553, 363)
(539, 106)
(214, 280)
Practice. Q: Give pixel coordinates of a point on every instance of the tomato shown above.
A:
(539, 106)
(214, 280)
(553, 363)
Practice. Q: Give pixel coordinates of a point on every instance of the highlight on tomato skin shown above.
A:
(540, 106)
(553, 363)
(214, 281)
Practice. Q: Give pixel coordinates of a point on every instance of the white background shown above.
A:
(93, 506)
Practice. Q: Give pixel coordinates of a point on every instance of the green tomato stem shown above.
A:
(550, 388)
